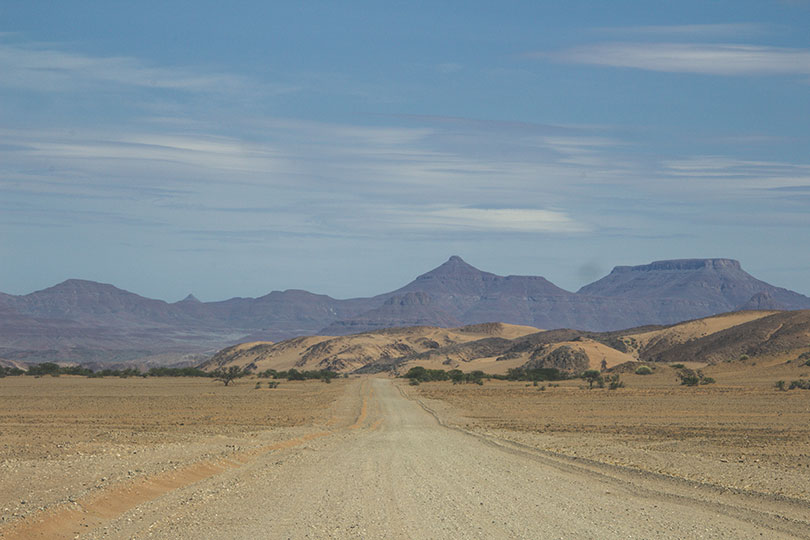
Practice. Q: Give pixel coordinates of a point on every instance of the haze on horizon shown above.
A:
(229, 151)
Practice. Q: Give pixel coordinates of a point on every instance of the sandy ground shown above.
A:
(374, 458)
(751, 440)
(69, 438)
(683, 332)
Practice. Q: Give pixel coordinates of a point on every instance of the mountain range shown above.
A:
(85, 321)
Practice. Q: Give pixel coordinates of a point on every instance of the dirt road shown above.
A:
(398, 472)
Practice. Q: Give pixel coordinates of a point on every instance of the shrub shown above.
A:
(780, 385)
(676, 366)
(744, 357)
(801, 384)
(420, 374)
(45, 368)
(643, 370)
(593, 376)
(294, 375)
(10, 372)
(535, 374)
(688, 377)
(272, 384)
(614, 382)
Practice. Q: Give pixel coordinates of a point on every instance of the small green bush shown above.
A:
(614, 382)
(689, 377)
(801, 384)
(677, 366)
(780, 385)
(643, 370)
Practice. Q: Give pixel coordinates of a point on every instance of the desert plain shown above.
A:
(374, 457)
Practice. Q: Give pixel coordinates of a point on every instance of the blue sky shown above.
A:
(344, 148)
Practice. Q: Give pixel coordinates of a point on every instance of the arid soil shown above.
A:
(64, 439)
(376, 458)
(743, 435)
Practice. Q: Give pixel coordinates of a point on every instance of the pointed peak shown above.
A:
(455, 265)
(190, 298)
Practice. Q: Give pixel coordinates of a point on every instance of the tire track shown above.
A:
(67, 520)
(754, 508)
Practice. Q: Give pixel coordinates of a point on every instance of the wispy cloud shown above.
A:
(737, 175)
(701, 58)
(45, 68)
(528, 220)
(689, 30)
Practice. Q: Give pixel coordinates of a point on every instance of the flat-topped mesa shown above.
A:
(709, 285)
(681, 264)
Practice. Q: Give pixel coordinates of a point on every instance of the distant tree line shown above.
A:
(226, 375)
(55, 370)
(535, 374)
(422, 374)
(294, 375)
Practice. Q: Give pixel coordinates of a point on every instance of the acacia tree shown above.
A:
(229, 374)
(592, 376)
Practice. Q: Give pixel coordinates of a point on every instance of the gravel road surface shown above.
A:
(398, 472)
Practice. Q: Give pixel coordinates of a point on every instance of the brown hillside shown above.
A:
(777, 333)
(350, 353)
(647, 345)
(496, 347)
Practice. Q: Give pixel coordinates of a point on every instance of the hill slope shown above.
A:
(496, 347)
(353, 352)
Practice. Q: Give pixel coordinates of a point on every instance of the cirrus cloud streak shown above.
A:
(699, 58)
